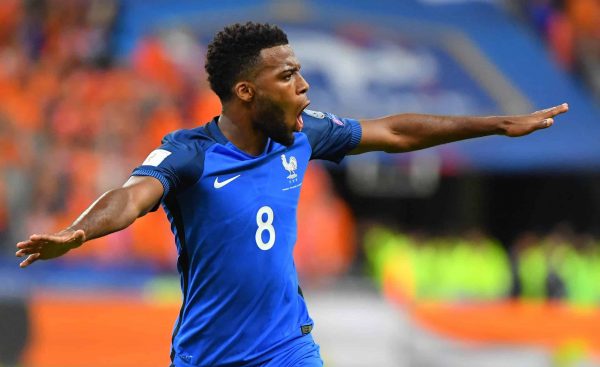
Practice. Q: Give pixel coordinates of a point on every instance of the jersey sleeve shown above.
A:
(330, 137)
(177, 164)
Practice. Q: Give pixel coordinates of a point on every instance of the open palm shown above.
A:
(49, 246)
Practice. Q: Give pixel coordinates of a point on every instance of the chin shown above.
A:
(287, 140)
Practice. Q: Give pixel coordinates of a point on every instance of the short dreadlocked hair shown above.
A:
(235, 50)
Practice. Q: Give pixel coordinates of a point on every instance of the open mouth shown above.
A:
(299, 120)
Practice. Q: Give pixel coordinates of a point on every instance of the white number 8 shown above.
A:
(265, 226)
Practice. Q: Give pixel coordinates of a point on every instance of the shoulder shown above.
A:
(196, 139)
(316, 118)
(330, 136)
(321, 120)
(317, 124)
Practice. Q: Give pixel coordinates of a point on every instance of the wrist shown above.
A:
(497, 125)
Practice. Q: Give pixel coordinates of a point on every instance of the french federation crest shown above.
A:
(291, 166)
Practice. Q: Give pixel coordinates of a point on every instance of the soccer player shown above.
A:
(230, 190)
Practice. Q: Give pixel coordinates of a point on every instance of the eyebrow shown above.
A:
(290, 68)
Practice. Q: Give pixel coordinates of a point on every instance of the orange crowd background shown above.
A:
(571, 29)
(74, 122)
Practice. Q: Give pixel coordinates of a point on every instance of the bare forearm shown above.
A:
(113, 211)
(110, 213)
(416, 131)
(411, 131)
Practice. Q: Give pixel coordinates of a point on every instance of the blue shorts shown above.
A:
(303, 355)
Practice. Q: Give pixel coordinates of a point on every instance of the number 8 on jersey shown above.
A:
(266, 225)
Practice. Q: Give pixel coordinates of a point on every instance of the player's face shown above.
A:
(280, 94)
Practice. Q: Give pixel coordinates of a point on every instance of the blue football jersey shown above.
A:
(234, 220)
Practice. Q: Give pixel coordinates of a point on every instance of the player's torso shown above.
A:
(241, 282)
(248, 203)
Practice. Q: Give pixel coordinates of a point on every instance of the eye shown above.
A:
(287, 77)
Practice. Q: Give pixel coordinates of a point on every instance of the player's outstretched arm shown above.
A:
(111, 212)
(407, 132)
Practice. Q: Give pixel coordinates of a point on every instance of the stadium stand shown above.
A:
(88, 88)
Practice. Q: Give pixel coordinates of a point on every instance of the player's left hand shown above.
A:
(525, 124)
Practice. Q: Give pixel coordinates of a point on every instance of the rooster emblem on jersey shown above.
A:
(290, 166)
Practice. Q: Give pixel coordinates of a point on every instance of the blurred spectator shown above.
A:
(531, 269)
(329, 249)
(73, 123)
(562, 265)
(572, 31)
(3, 211)
(473, 267)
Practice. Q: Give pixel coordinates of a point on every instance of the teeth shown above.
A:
(299, 123)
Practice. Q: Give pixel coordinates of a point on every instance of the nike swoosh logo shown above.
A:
(218, 184)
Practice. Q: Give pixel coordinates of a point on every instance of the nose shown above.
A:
(303, 85)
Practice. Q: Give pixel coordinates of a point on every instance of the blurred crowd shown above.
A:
(560, 265)
(571, 29)
(74, 122)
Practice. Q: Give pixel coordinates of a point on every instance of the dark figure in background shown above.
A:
(14, 330)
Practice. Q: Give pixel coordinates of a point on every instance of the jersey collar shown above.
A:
(215, 132)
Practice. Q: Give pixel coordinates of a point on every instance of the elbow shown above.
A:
(397, 149)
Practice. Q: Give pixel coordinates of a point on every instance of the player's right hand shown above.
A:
(49, 246)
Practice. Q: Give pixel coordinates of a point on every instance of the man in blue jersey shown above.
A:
(230, 190)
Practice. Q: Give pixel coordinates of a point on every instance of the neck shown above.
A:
(235, 123)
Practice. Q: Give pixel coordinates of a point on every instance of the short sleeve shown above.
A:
(177, 163)
(330, 137)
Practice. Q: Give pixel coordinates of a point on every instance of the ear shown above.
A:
(244, 90)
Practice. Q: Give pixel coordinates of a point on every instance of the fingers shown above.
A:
(546, 123)
(46, 238)
(28, 248)
(553, 111)
(28, 251)
(47, 246)
(24, 244)
(29, 260)
(35, 243)
(61, 237)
